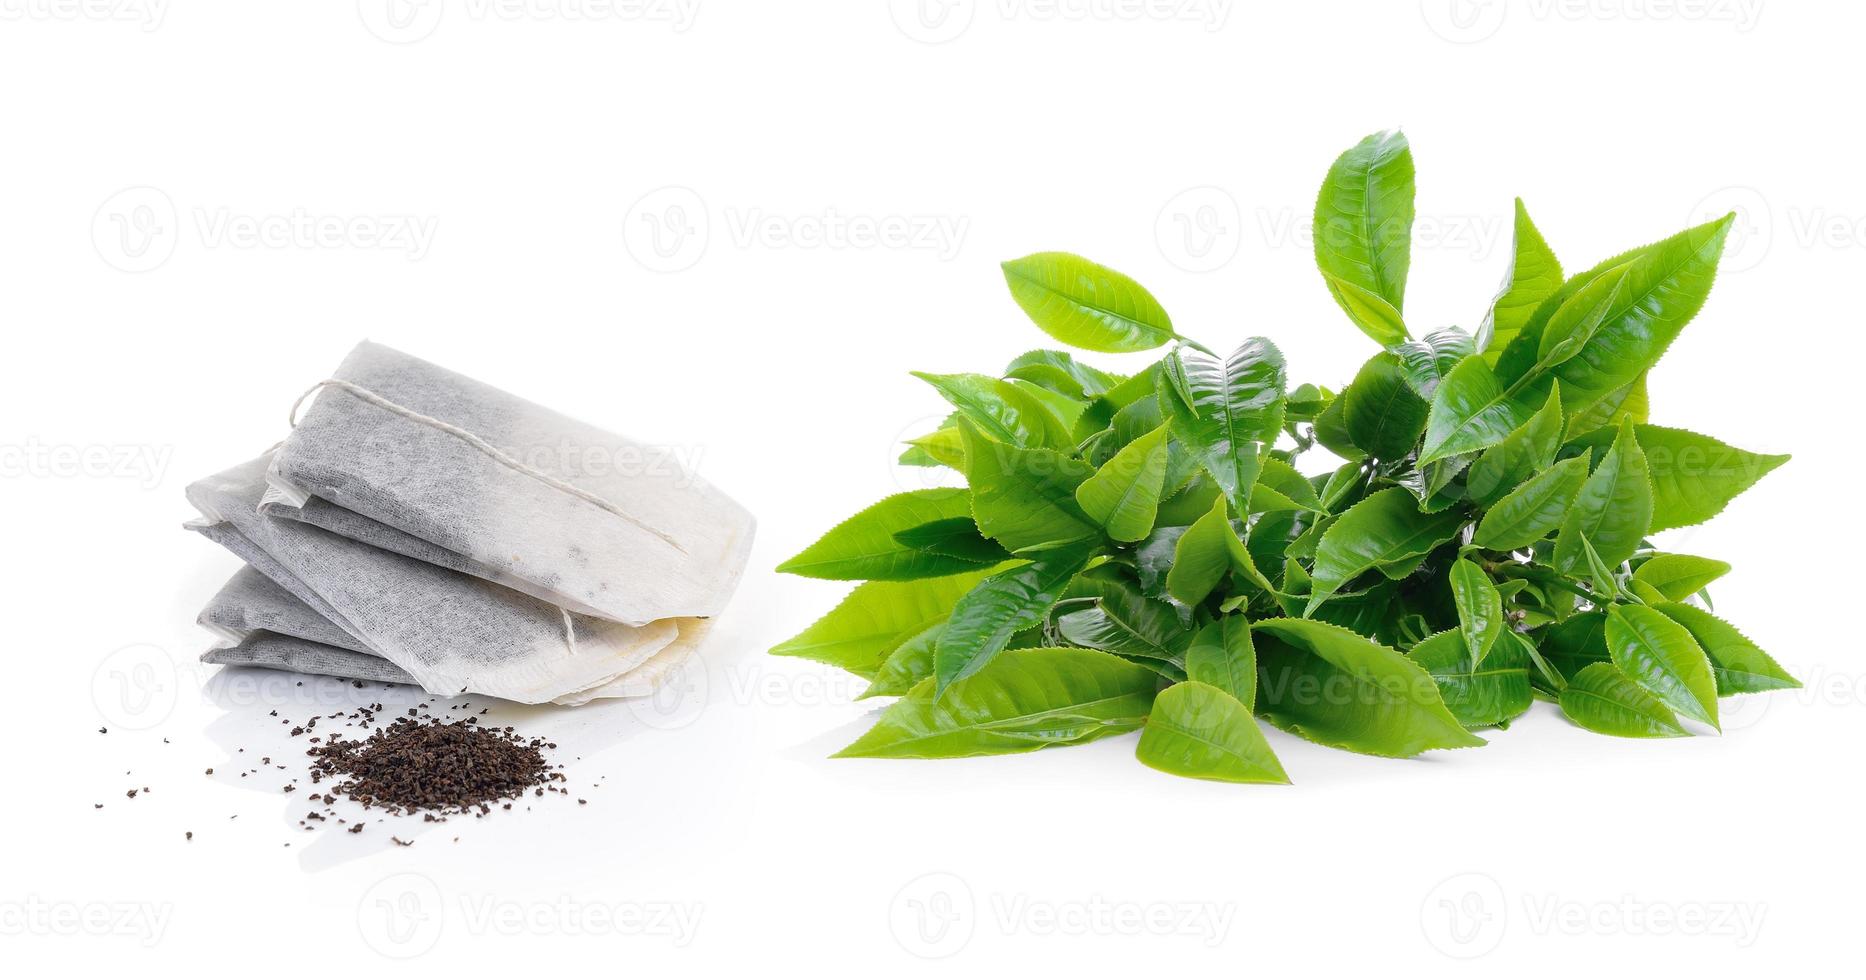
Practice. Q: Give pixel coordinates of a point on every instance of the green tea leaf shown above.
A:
(1480, 608)
(1124, 495)
(1200, 731)
(1679, 577)
(1602, 699)
(1293, 490)
(1022, 701)
(876, 617)
(1062, 373)
(908, 665)
(1383, 529)
(1663, 658)
(1426, 362)
(1001, 410)
(1368, 310)
(865, 546)
(1235, 406)
(1530, 512)
(1382, 414)
(1334, 687)
(1534, 276)
(1693, 476)
(1574, 322)
(999, 607)
(1478, 696)
(1209, 548)
(1612, 512)
(1522, 454)
(1025, 499)
(1223, 656)
(1363, 220)
(1739, 665)
(1474, 410)
(1087, 305)
(953, 537)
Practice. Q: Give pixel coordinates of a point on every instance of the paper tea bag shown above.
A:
(276, 652)
(250, 602)
(452, 633)
(415, 459)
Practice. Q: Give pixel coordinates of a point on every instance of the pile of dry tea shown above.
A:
(441, 767)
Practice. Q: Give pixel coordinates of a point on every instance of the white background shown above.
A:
(482, 186)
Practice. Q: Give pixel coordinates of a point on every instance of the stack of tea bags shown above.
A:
(419, 526)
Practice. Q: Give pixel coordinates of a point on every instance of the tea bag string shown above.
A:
(482, 445)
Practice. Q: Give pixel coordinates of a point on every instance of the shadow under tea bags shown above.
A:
(412, 458)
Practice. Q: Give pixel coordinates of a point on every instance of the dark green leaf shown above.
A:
(1383, 529)
(1613, 511)
(1480, 608)
(1124, 495)
(1380, 411)
(1739, 665)
(1602, 699)
(1663, 658)
(1235, 407)
(1478, 696)
(1530, 512)
(1005, 603)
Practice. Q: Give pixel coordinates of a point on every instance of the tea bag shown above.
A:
(451, 632)
(250, 603)
(278, 652)
(415, 459)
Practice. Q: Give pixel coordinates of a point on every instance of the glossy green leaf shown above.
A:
(865, 546)
(1479, 696)
(1473, 409)
(1664, 287)
(1602, 699)
(1739, 665)
(1001, 410)
(1693, 476)
(1534, 276)
(1480, 608)
(1293, 490)
(1235, 406)
(1331, 430)
(1223, 656)
(1574, 322)
(1382, 529)
(1679, 577)
(1022, 701)
(1062, 373)
(907, 666)
(1383, 416)
(1025, 499)
(1363, 219)
(1426, 362)
(1534, 510)
(1201, 731)
(1664, 658)
(1612, 512)
(1607, 412)
(1367, 310)
(1529, 450)
(944, 447)
(1571, 645)
(875, 618)
(1124, 495)
(1000, 606)
(1337, 688)
(953, 537)
(1087, 305)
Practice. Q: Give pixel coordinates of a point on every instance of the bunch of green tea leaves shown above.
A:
(1142, 552)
